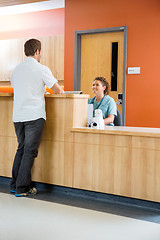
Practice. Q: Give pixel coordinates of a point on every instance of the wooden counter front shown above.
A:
(118, 160)
(54, 163)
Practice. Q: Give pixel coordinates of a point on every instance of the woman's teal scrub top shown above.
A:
(107, 105)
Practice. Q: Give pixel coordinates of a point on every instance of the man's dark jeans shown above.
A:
(29, 136)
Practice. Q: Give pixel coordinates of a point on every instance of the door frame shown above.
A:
(77, 59)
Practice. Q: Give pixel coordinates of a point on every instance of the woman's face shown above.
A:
(98, 88)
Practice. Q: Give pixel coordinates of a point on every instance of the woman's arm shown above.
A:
(109, 119)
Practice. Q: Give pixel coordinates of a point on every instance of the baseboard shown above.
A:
(91, 195)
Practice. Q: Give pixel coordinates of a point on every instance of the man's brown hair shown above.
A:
(31, 46)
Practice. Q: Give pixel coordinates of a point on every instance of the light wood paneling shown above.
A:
(144, 142)
(157, 178)
(56, 150)
(7, 152)
(54, 164)
(53, 54)
(6, 124)
(55, 124)
(12, 53)
(122, 171)
(103, 169)
(125, 165)
(63, 115)
(143, 173)
(157, 143)
(81, 110)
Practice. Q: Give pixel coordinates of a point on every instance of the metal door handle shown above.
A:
(120, 99)
(119, 102)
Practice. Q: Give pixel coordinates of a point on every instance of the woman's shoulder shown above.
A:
(108, 99)
(91, 100)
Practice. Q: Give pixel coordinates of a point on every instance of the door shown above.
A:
(102, 55)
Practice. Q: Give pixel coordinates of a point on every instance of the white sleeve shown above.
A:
(12, 82)
(48, 78)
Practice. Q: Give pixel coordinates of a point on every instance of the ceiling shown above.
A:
(24, 6)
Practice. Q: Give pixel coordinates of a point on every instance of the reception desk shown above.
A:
(54, 163)
(117, 160)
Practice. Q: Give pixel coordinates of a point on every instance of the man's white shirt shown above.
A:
(29, 79)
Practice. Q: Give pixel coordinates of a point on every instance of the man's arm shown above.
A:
(57, 88)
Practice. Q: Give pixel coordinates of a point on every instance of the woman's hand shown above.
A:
(109, 119)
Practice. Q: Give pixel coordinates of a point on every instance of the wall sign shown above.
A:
(134, 70)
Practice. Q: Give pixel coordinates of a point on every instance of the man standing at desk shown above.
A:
(28, 80)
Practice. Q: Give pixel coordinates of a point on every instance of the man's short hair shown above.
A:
(31, 46)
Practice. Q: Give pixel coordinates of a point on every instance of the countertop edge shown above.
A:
(79, 96)
(139, 132)
(4, 94)
(82, 96)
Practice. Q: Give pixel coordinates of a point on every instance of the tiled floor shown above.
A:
(29, 218)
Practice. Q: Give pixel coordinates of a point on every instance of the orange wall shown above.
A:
(142, 18)
(35, 24)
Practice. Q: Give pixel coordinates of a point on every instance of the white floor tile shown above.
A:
(27, 219)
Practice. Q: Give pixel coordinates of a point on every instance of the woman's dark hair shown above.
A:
(104, 83)
(31, 46)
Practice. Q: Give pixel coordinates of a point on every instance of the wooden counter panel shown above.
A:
(117, 140)
(83, 165)
(157, 143)
(56, 150)
(103, 140)
(54, 164)
(62, 114)
(6, 124)
(87, 138)
(122, 171)
(102, 168)
(55, 124)
(157, 176)
(80, 107)
(145, 143)
(7, 153)
(128, 169)
(143, 175)
(73, 96)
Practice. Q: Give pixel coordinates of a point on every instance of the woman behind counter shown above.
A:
(103, 101)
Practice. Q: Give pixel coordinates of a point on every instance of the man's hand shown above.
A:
(57, 88)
